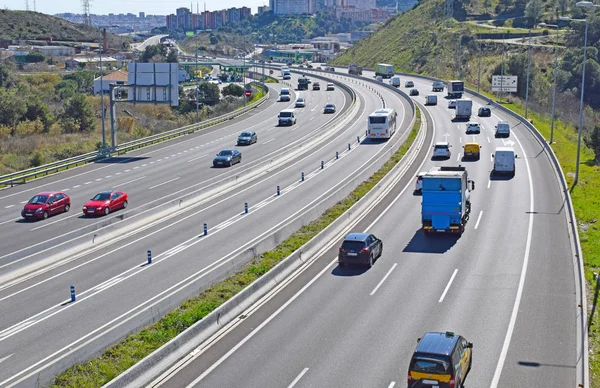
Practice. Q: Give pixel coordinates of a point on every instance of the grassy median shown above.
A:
(118, 358)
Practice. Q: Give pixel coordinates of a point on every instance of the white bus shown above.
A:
(382, 124)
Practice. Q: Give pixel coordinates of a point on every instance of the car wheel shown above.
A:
(125, 205)
(45, 215)
(380, 251)
(67, 207)
(370, 263)
(106, 211)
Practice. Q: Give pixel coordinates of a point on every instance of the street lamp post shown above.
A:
(102, 96)
(528, 68)
(554, 83)
(196, 78)
(479, 67)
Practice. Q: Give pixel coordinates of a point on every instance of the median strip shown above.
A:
(118, 358)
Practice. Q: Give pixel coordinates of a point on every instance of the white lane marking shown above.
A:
(161, 184)
(131, 181)
(173, 155)
(65, 190)
(458, 157)
(9, 221)
(127, 170)
(298, 378)
(392, 384)
(118, 173)
(448, 286)
(87, 183)
(109, 176)
(311, 119)
(478, 219)
(151, 162)
(76, 186)
(199, 157)
(268, 141)
(23, 202)
(98, 179)
(9, 206)
(515, 311)
(383, 280)
(5, 358)
(489, 141)
(489, 183)
(460, 139)
(136, 167)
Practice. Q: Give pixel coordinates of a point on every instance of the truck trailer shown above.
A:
(354, 69)
(303, 83)
(446, 200)
(463, 109)
(456, 89)
(384, 70)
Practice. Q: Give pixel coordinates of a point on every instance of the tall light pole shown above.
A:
(528, 68)
(479, 67)
(554, 84)
(102, 94)
(196, 78)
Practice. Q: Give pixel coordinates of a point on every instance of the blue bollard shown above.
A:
(205, 229)
(337, 155)
(302, 176)
(278, 191)
(149, 257)
(358, 139)
(366, 132)
(73, 297)
(246, 207)
(349, 146)
(322, 165)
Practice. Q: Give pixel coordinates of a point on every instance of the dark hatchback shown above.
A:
(329, 108)
(247, 138)
(484, 111)
(227, 158)
(360, 248)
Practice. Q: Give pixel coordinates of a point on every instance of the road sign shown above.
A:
(504, 83)
(248, 92)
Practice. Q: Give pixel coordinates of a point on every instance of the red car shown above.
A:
(105, 202)
(46, 204)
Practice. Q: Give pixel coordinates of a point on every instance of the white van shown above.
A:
(504, 160)
(431, 99)
(284, 94)
(503, 129)
(395, 81)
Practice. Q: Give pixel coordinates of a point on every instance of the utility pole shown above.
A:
(26, 5)
(102, 93)
(479, 66)
(528, 68)
(196, 78)
(458, 57)
(502, 70)
(34, 6)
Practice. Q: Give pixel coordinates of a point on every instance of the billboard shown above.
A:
(504, 83)
(154, 83)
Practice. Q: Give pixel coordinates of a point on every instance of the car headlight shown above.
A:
(84, 208)
(39, 210)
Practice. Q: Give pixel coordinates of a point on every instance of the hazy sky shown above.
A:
(154, 7)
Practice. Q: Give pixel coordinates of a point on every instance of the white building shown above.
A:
(361, 4)
(55, 51)
(118, 77)
(283, 7)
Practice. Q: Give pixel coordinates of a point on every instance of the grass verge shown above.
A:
(586, 203)
(120, 357)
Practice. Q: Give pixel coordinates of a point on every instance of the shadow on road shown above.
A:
(434, 243)
(537, 365)
(121, 159)
(349, 270)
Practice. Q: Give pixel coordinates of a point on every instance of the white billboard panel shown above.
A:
(154, 82)
(504, 83)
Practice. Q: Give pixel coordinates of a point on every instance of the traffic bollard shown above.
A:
(246, 207)
(73, 297)
(205, 229)
(302, 176)
(149, 257)
(278, 191)
(349, 146)
(322, 164)
(337, 155)
(366, 132)
(358, 139)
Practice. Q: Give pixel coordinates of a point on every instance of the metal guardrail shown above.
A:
(34, 172)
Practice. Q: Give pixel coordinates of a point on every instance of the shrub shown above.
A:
(36, 160)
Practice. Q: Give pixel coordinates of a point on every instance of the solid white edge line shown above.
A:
(199, 157)
(448, 285)
(298, 378)
(515, 311)
(489, 183)
(383, 280)
(392, 384)
(161, 184)
(478, 219)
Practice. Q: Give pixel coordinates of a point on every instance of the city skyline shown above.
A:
(150, 7)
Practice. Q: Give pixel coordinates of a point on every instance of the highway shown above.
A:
(173, 190)
(507, 285)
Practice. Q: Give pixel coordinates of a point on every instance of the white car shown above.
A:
(452, 104)
(441, 149)
(409, 84)
(300, 103)
(473, 127)
(330, 86)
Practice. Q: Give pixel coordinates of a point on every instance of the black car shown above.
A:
(227, 158)
(484, 111)
(329, 108)
(360, 248)
(247, 138)
(414, 92)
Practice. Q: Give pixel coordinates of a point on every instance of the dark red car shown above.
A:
(46, 204)
(105, 202)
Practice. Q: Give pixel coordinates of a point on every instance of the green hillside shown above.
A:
(29, 25)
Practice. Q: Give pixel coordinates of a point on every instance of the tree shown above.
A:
(210, 91)
(12, 108)
(233, 90)
(534, 10)
(84, 80)
(36, 109)
(172, 57)
(35, 57)
(7, 80)
(78, 114)
(150, 52)
(593, 141)
(66, 89)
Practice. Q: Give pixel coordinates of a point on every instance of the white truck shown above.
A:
(463, 109)
(502, 129)
(395, 81)
(437, 86)
(456, 89)
(504, 161)
(431, 99)
(285, 73)
(384, 70)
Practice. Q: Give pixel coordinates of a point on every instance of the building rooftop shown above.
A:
(118, 75)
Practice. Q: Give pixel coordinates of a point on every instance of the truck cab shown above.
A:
(303, 83)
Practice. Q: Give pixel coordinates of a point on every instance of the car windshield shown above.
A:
(245, 134)
(101, 197)
(430, 365)
(353, 245)
(329, 106)
(38, 199)
(441, 146)
(284, 91)
(300, 100)
(285, 114)
(226, 153)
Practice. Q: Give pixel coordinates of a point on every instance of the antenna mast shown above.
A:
(26, 5)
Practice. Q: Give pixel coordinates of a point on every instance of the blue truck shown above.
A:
(446, 200)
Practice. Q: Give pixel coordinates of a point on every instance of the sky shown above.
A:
(103, 7)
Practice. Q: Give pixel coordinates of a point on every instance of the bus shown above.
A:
(382, 124)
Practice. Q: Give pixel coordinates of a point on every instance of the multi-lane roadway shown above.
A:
(507, 285)
(173, 191)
